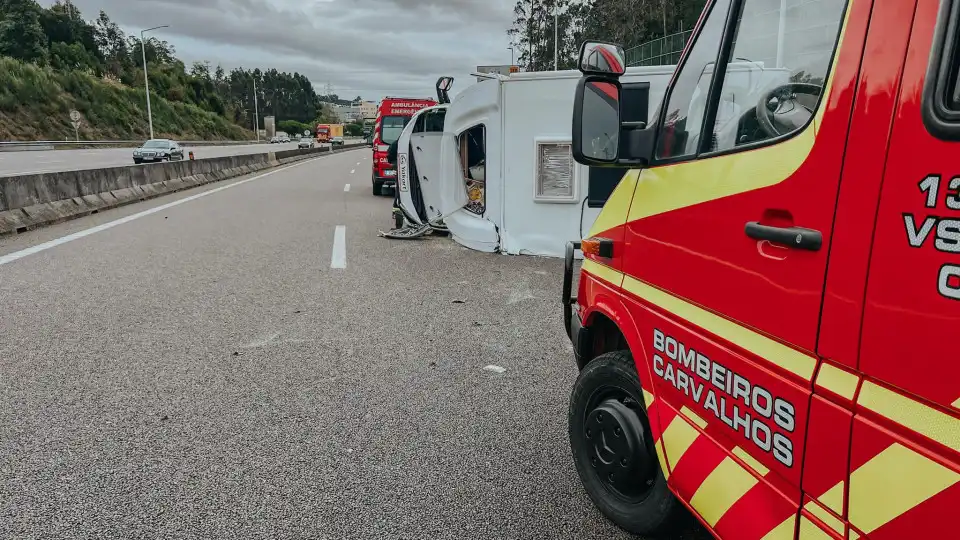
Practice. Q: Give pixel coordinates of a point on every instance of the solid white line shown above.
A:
(339, 257)
(5, 259)
(346, 187)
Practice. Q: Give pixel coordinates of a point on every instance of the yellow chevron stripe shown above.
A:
(722, 488)
(838, 381)
(911, 414)
(694, 417)
(677, 439)
(772, 351)
(647, 398)
(783, 531)
(956, 404)
(809, 531)
(892, 483)
(603, 272)
(833, 499)
(751, 461)
(615, 210)
(832, 521)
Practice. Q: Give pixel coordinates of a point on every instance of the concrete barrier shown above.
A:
(30, 201)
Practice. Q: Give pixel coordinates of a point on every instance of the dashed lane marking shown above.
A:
(339, 257)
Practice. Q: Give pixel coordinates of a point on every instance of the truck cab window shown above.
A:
(774, 79)
(680, 131)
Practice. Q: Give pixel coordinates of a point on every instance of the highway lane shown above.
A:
(30, 162)
(202, 371)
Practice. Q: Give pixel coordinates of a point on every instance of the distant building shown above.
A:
(368, 109)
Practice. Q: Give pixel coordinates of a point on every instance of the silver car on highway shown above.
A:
(305, 142)
(158, 150)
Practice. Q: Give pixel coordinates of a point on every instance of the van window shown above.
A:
(781, 56)
(683, 121)
(473, 167)
(433, 121)
(941, 92)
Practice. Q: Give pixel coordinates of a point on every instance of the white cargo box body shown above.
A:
(535, 194)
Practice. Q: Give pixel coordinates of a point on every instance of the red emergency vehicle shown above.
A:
(323, 133)
(766, 309)
(392, 116)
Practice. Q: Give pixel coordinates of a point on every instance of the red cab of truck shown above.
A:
(392, 116)
(323, 133)
(767, 303)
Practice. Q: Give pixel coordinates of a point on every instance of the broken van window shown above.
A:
(473, 156)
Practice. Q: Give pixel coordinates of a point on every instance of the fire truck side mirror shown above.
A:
(600, 137)
(598, 58)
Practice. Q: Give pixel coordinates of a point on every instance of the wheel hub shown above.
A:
(618, 451)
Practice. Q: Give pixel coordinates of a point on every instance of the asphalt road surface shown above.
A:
(40, 161)
(203, 370)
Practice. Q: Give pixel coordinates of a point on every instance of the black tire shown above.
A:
(137, 161)
(377, 188)
(639, 500)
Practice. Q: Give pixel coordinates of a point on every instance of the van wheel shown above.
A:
(614, 452)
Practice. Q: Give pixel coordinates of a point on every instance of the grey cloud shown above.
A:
(372, 47)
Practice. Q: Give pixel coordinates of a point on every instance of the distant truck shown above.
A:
(392, 116)
(330, 133)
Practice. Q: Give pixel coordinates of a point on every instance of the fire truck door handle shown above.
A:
(794, 237)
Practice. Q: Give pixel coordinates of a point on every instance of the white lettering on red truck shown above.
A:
(945, 230)
(742, 405)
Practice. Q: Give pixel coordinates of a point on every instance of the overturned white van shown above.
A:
(495, 166)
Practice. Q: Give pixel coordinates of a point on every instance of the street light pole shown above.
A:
(511, 55)
(146, 81)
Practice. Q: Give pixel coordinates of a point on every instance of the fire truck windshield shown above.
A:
(391, 127)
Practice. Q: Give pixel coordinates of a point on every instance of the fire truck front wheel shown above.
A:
(614, 452)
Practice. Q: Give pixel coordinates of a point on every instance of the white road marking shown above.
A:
(346, 187)
(9, 258)
(352, 171)
(339, 257)
(495, 368)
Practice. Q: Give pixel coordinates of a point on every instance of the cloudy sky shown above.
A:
(370, 48)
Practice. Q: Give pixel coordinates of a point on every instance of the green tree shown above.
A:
(21, 34)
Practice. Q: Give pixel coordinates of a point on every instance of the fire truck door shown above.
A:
(905, 454)
(727, 238)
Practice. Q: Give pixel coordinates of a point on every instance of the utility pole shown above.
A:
(780, 32)
(256, 111)
(663, 5)
(556, 38)
(146, 78)
(511, 55)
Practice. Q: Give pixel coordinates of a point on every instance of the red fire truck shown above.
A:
(392, 115)
(766, 304)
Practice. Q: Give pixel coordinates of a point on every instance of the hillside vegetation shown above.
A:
(35, 104)
(52, 60)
